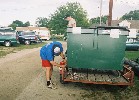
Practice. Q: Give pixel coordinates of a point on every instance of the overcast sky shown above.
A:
(29, 10)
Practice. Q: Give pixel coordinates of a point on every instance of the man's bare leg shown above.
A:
(48, 71)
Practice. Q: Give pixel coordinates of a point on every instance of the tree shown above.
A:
(59, 25)
(18, 23)
(97, 20)
(13, 25)
(134, 15)
(42, 22)
(26, 24)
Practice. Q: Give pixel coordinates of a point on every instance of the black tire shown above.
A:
(7, 43)
(27, 42)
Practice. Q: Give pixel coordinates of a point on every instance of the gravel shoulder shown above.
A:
(22, 78)
(17, 70)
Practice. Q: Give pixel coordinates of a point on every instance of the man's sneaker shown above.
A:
(51, 86)
(52, 83)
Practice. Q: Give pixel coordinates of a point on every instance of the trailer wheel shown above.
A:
(61, 80)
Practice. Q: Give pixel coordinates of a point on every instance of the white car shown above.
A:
(44, 34)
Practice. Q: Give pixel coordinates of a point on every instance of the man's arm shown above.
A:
(63, 57)
(74, 25)
(56, 64)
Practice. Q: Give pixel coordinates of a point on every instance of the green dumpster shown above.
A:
(100, 48)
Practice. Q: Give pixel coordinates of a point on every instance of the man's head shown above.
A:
(57, 51)
(67, 17)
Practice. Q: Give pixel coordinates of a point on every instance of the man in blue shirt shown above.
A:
(47, 54)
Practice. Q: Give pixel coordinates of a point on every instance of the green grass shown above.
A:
(6, 50)
(132, 54)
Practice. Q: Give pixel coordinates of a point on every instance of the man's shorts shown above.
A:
(46, 63)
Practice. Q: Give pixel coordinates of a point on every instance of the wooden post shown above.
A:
(110, 12)
(100, 12)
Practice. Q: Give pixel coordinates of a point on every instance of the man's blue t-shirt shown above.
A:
(47, 52)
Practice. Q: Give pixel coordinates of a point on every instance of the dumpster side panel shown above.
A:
(95, 51)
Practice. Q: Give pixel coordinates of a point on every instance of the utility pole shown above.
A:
(110, 12)
(100, 11)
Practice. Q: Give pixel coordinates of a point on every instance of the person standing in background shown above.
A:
(71, 21)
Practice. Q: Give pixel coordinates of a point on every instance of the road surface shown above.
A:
(22, 78)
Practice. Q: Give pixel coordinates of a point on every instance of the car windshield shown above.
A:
(7, 32)
(28, 33)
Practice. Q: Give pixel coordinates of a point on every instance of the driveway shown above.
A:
(22, 78)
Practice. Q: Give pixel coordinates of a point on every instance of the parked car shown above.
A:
(44, 34)
(132, 44)
(8, 37)
(27, 37)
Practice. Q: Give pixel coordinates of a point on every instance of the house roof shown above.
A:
(134, 23)
(30, 28)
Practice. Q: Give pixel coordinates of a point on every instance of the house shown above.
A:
(30, 28)
(131, 24)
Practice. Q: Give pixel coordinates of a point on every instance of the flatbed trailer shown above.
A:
(92, 76)
(96, 56)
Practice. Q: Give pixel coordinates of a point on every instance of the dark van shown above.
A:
(27, 37)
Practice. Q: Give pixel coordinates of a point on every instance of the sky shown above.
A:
(30, 10)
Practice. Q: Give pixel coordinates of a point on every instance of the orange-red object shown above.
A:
(62, 63)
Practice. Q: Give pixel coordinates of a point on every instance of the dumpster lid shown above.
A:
(113, 27)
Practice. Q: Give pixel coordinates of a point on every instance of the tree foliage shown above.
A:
(13, 25)
(42, 22)
(57, 22)
(18, 23)
(134, 15)
(97, 20)
(26, 24)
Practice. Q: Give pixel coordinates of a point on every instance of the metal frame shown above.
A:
(127, 74)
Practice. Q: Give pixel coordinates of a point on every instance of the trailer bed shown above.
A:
(97, 77)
